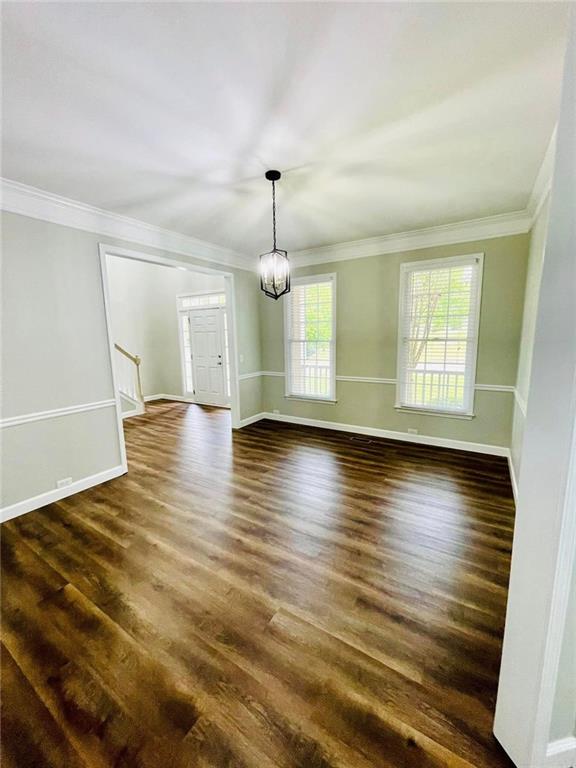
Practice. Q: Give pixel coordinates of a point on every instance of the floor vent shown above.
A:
(360, 440)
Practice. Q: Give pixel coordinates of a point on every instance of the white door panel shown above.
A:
(207, 346)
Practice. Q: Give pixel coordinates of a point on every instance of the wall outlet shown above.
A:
(241, 358)
(275, 410)
(64, 482)
(412, 431)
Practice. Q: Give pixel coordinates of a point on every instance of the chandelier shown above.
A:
(274, 265)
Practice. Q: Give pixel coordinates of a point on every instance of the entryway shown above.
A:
(204, 348)
(171, 332)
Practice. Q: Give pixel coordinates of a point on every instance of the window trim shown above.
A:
(328, 277)
(472, 351)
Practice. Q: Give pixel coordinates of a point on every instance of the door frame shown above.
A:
(225, 330)
(106, 250)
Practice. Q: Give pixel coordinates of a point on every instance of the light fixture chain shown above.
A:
(274, 211)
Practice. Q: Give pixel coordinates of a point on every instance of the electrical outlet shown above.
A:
(64, 482)
(241, 358)
(275, 410)
(412, 431)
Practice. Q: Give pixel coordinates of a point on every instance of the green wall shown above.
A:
(55, 353)
(366, 346)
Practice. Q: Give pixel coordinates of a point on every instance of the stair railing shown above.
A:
(128, 373)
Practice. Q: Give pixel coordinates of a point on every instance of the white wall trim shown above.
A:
(495, 388)
(366, 379)
(55, 413)
(543, 182)
(252, 419)
(501, 225)
(376, 380)
(513, 478)
(561, 753)
(177, 398)
(440, 442)
(39, 204)
(21, 507)
(521, 403)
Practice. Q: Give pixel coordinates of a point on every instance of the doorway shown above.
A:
(229, 375)
(205, 348)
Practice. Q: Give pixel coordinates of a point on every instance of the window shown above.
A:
(201, 300)
(310, 338)
(438, 334)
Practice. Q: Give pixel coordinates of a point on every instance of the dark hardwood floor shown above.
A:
(281, 596)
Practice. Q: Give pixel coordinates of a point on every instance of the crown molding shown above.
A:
(516, 223)
(501, 225)
(38, 204)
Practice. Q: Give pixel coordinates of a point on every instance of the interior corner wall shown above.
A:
(545, 530)
(144, 317)
(58, 414)
(563, 723)
(366, 344)
(532, 291)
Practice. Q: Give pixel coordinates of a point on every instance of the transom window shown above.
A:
(310, 338)
(201, 300)
(438, 334)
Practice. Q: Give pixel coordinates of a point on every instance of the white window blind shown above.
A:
(310, 338)
(438, 334)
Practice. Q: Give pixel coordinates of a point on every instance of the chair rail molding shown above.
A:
(55, 413)
(377, 380)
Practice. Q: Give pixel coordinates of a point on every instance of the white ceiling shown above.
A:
(383, 117)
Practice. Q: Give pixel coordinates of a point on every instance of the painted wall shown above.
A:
(55, 354)
(144, 318)
(564, 710)
(367, 290)
(532, 291)
(543, 548)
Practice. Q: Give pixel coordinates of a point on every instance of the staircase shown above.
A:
(129, 383)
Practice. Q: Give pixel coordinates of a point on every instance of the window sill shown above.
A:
(444, 414)
(303, 398)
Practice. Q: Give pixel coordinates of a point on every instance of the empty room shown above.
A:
(288, 446)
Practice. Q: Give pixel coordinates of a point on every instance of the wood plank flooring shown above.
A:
(277, 597)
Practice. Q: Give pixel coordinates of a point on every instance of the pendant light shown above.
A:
(274, 265)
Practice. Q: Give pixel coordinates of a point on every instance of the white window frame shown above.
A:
(310, 280)
(406, 268)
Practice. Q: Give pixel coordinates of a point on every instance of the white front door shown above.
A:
(207, 348)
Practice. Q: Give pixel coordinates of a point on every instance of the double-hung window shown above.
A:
(310, 338)
(438, 334)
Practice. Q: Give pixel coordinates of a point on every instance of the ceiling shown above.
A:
(382, 117)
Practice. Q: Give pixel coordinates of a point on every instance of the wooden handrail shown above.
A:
(136, 360)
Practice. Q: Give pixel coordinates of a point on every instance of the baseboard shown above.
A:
(561, 753)
(177, 398)
(252, 419)
(439, 442)
(21, 507)
(136, 412)
(513, 478)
